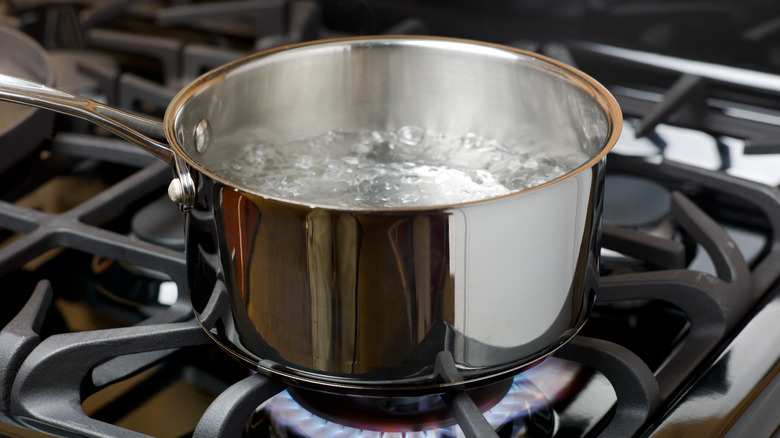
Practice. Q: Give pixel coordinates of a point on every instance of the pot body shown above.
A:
(369, 301)
(394, 299)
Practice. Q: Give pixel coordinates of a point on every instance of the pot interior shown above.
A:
(447, 87)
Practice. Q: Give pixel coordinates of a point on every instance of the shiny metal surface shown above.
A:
(136, 129)
(123, 124)
(366, 299)
(369, 299)
(449, 87)
(385, 299)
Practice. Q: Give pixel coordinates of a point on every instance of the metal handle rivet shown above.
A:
(175, 191)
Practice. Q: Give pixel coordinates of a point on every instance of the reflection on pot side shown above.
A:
(343, 295)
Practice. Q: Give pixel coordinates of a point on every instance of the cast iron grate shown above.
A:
(36, 392)
(32, 376)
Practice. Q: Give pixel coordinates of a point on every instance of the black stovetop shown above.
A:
(97, 332)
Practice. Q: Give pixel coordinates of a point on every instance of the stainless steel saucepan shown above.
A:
(382, 300)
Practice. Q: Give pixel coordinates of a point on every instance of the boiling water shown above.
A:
(383, 168)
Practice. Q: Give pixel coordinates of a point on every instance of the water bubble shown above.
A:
(469, 140)
(535, 180)
(388, 186)
(490, 144)
(481, 176)
(557, 171)
(305, 162)
(362, 147)
(363, 186)
(496, 156)
(381, 136)
(409, 198)
(410, 135)
(529, 163)
(410, 179)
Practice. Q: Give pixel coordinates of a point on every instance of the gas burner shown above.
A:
(143, 289)
(515, 408)
(393, 414)
(637, 203)
(160, 223)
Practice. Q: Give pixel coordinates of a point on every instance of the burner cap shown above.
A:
(160, 223)
(634, 202)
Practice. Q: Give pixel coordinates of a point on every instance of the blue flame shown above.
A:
(530, 391)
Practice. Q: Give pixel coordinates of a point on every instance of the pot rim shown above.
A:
(596, 90)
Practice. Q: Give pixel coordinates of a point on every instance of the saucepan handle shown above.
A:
(139, 130)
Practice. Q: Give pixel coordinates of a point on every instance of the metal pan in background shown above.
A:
(22, 128)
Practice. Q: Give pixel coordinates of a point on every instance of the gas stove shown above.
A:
(98, 337)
